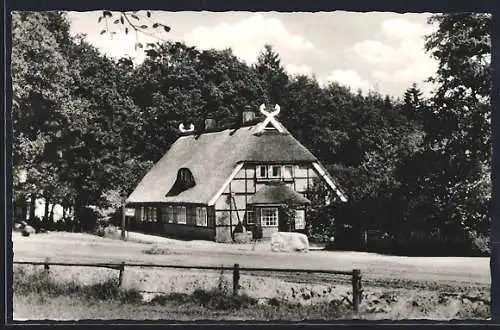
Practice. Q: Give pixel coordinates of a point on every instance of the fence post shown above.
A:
(123, 221)
(46, 265)
(122, 269)
(236, 278)
(356, 289)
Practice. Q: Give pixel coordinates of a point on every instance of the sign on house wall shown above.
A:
(129, 212)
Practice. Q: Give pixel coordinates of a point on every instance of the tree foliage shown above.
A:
(458, 123)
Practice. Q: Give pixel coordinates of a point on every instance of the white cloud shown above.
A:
(399, 57)
(417, 72)
(117, 45)
(413, 65)
(374, 51)
(300, 69)
(248, 36)
(348, 78)
(123, 45)
(400, 28)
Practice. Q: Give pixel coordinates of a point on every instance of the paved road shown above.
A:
(86, 248)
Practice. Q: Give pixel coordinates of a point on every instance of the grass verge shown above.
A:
(38, 296)
(41, 283)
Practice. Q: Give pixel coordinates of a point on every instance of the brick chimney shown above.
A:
(248, 117)
(210, 124)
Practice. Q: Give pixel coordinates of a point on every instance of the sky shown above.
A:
(378, 51)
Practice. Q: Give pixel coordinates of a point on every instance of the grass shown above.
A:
(172, 308)
(155, 250)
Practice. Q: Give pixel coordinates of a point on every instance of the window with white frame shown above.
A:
(288, 172)
(143, 213)
(274, 172)
(170, 214)
(149, 214)
(164, 214)
(300, 219)
(261, 172)
(180, 215)
(250, 217)
(269, 217)
(201, 216)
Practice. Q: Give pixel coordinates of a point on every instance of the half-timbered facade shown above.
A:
(209, 182)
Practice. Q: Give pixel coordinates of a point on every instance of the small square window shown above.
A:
(275, 171)
(300, 221)
(287, 172)
(250, 217)
(269, 217)
(262, 171)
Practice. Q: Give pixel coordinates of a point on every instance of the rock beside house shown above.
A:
(245, 237)
(28, 230)
(289, 242)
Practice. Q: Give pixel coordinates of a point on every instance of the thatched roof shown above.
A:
(278, 194)
(211, 158)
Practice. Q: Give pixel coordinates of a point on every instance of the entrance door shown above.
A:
(285, 223)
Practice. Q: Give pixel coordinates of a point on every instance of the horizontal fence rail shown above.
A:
(236, 269)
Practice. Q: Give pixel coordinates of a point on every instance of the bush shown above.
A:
(90, 220)
(257, 232)
(480, 244)
(416, 243)
(100, 231)
(221, 300)
(320, 238)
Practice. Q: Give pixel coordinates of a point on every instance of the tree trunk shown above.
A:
(77, 216)
(24, 208)
(32, 206)
(46, 209)
(51, 216)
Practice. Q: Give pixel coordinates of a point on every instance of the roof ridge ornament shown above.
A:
(270, 118)
(184, 130)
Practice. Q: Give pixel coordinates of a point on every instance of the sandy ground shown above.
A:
(394, 287)
(76, 247)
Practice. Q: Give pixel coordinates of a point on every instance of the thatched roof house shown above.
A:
(208, 182)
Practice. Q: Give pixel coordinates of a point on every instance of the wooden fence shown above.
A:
(236, 269)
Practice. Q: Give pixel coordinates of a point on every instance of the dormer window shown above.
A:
(184, 181)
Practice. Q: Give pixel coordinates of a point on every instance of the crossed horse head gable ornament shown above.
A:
(270, 118)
